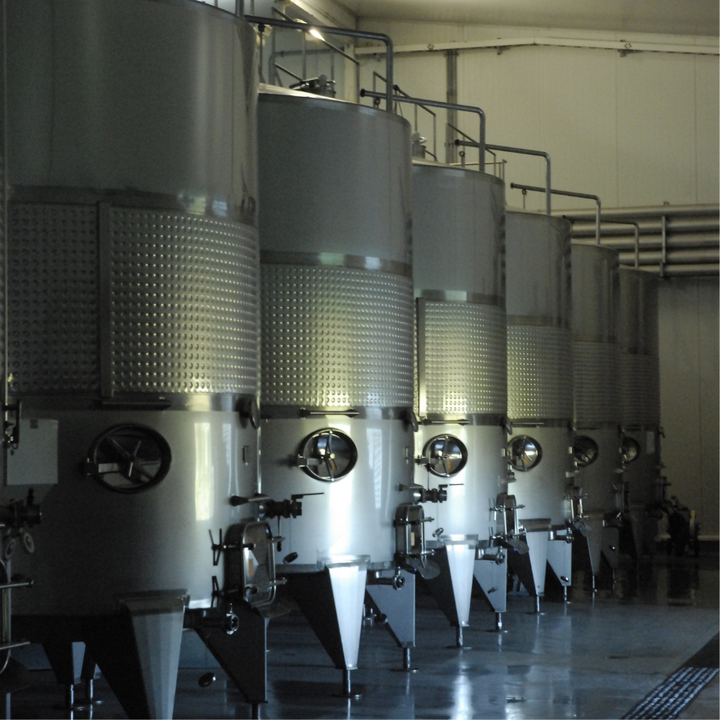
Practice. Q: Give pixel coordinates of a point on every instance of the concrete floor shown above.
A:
(595, 657)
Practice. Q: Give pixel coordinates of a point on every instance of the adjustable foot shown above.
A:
(459, 643)
(347, 691)
(407, 665)
(70, 704)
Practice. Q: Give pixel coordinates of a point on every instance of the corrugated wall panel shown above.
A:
(706, 118)
(688, 327)
(656, 129)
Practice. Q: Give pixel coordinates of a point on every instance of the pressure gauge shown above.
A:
(445, 455)
(129, 458)
(524, 453)
(630, 449)
(327, 455)
(585, 451)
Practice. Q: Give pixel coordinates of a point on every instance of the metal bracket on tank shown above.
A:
(507, 506)
(11, 428)
(423, 495)
(575, 495)
(269, 508)
(410, 547)
(249, 563)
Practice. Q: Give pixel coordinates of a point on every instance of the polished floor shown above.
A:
(596, 656)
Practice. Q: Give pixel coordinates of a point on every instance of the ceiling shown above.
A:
(681, 17)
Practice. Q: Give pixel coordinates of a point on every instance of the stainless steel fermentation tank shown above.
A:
(597, 451)
(461, 394)
(133, 333)
(337, 362)
(536, 503)
(637, 332)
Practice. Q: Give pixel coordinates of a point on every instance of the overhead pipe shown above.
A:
(649, 211)
(672, 257)
(620, 240)
(709, 269)
(360, 34)
(667, 234)
(568, 193)
(443, 105)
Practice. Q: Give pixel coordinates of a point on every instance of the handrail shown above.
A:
(272, 22)
(521, 151)
(442, 105)
(567, 193)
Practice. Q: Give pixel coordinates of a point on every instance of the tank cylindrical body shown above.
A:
(133, 301)
(597, 394)
(337, 323)
(540, 385)
(461, 397)
(637, 332)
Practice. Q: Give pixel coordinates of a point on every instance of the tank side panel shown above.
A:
(542, 490)
(473, 491)
(54, 303)
(599, 480)
(465, 348)
(458, 231)
(359, 204)
(597, 399)
(354, 515)
(165, 106)
(94, 544)
(184, 304)
(594, 289)
(540, 369)
(538, 268)
(336, 337)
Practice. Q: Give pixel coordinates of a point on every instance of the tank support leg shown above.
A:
(537, 604)
(498, 621)
(256, 711)
(459, 637)
(70, 697)
(347, 691)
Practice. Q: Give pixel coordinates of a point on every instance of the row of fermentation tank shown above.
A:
(262, 352)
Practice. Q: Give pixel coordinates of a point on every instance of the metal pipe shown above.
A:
(672, 257)
(446, 106)
(647, 227)
(649, 211)
(343, 32)
(524, 151)
(568, 193)
(685, 269)
(622, 240)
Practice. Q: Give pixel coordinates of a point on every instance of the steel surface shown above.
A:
(336, 337)
(543, 488)
(354, 515)
(165, 106)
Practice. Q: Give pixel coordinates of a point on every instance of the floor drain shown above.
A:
(672, 696)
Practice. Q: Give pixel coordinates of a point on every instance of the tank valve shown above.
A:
(269, 508)
(423, 495)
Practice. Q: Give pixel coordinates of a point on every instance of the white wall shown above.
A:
(636, 130)
(688, 311)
